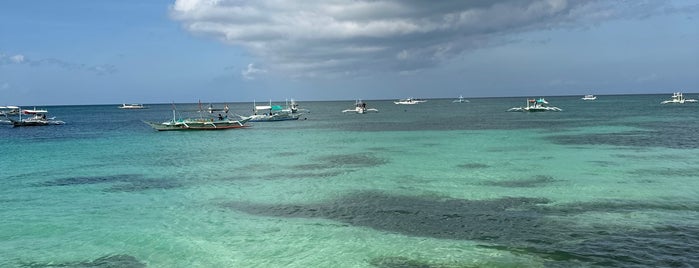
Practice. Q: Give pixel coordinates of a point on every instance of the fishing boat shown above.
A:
(409, 101)
(460, 100)
(132, 106)
(589, 97)
(535, 105)
(219, 122)
(360, 108)
(677, 97)
(36, 118)
(270, 113)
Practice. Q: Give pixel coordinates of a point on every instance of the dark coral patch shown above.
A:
(119, 183)
(536, 181)
(110, 261)
(523, 226)
(473, 166)
(487, 220)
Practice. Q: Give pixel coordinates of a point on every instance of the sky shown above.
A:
(74, 52)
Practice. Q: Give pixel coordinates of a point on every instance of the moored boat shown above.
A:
(37, 118)
(360, 108)
(132, 106)
(677, 97)
(409, 101)
(219, 122)
(460, 99)
(589, 97)
(535, 105)
(270, 113)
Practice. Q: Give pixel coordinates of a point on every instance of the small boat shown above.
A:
(409, 101)
(677, 97)
(38, 118)
(132, 106)
(270, 113)
(535, 105)
(460, 100)
(9, 110)
(360, 108)
(589, 97)
(209, 123)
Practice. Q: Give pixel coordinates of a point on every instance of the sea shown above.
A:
(607, 183)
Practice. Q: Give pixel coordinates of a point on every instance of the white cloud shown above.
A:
(17, 58)
(250, 72)
(21, 59)
(365, 36)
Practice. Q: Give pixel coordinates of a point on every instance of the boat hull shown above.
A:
(275, 117)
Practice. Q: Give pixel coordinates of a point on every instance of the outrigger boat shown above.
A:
(211, 123)
(38, 118)
(589, 97)
(535, 105)
(460, 99)
(360, 108)
(132, 106)
(409, 101)
(269, 113)
(9, 110)
(677, 97)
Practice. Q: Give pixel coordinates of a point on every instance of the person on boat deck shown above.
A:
(220, 117)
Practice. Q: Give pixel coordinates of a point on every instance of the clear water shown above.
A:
(612, 182)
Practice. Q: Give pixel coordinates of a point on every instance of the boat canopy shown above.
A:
(268, 107)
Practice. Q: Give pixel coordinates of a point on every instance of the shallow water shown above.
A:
(604, 183)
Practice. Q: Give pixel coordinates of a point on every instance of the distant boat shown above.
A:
(460, 100)
(409, 101)
(38, 118)
(677, 97)
(132, 106)
(219, 122)
(535, 105)
(360, 108)
(589, 97)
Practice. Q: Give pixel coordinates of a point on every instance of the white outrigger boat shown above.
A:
(589, 97)
(219, 122)
(360, 108)
(9, 110)
(460, 99)
(409, 101)
(38, 118)
(270, 113)
(535, 105)
(133, 106)
(677, 97)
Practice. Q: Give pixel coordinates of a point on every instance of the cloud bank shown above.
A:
(321, 37)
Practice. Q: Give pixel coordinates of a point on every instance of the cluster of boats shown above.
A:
(28, 117)
(261, 113)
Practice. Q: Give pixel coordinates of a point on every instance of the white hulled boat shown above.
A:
(677, 97)
(589, 97)
(37, 118)
(360, 108)
(132, 106)
(535, 105)
(460, 99)
(409, 101)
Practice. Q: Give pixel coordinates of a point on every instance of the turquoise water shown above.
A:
(611, 182)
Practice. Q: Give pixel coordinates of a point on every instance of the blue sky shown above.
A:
(156, 51)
